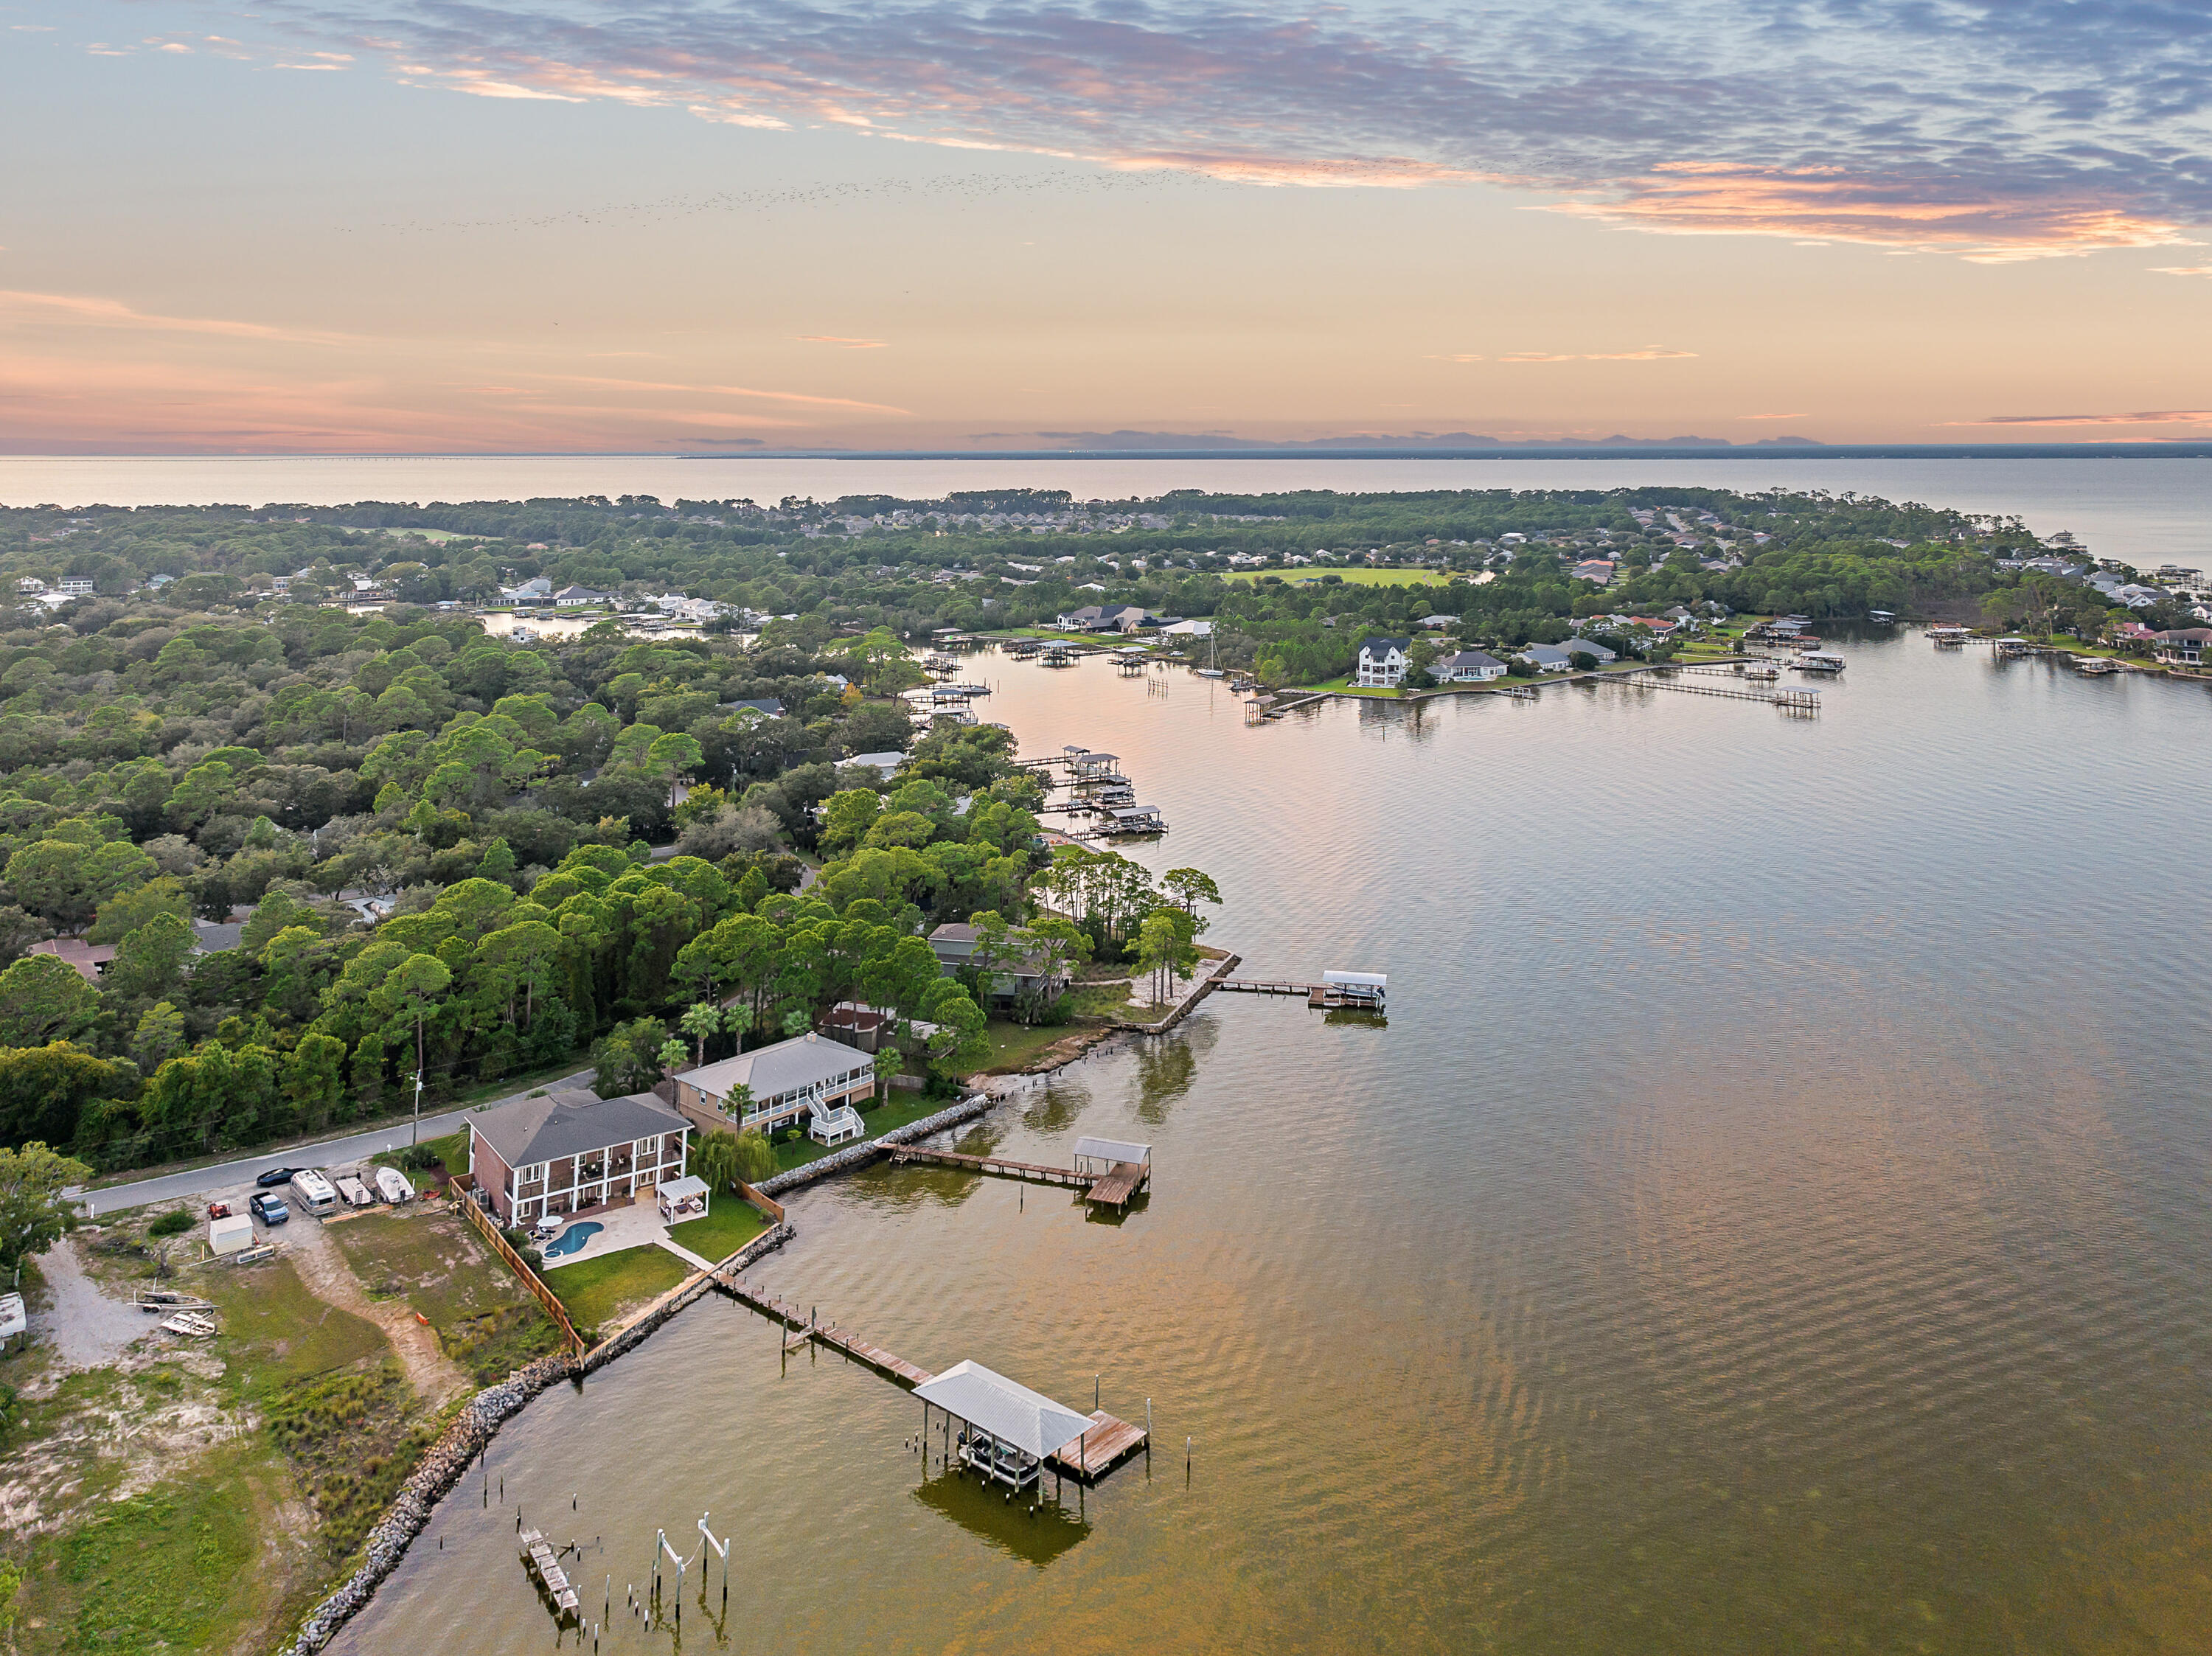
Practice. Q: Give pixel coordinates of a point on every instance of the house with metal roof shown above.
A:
(571, 1151)
(808, 1080)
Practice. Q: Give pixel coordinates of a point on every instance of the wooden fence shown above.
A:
(520, 1266)
(767, 1207)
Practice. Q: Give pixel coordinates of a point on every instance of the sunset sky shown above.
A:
(690, 225)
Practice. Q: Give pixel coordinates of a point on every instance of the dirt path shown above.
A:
(322, 1266)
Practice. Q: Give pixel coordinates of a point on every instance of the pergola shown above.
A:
(682, 1198)
(1009, 1430)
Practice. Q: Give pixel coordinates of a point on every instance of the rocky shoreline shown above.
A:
(473, 1429)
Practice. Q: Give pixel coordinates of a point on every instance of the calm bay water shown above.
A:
(1773, 1217)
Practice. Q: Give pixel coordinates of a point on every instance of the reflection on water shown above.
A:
(1772, 1219)
(1036, 1535)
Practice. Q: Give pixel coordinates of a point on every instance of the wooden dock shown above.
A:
(1030, 1172)
(537, 1553)
(797, 1319)
(1104, 1446)
(1790, 700)
(1120, 1185)
(1319, 996)
(1258, 986)
(1098, 1451)
(1115, 1188)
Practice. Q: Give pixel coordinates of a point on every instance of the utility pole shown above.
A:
(415, 1133)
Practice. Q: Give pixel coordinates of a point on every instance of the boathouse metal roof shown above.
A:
(1011, 1412)
(1113, 1149)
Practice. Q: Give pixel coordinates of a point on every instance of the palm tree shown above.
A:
(699, 1020)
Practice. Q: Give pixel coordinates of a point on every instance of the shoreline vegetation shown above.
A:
(295, 823)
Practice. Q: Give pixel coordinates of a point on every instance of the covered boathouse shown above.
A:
(1007, 1431)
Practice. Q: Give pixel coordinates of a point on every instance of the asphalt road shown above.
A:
(328, 1152)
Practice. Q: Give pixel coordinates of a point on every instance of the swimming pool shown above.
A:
(572, 1238)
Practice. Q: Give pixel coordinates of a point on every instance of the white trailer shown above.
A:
(353, 1192)
(310, 1191)
(230, 1232)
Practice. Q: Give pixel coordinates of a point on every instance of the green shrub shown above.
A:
(175, 1222)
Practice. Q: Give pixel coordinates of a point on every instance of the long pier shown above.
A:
(1029, 1172)
(1104, 1446)
(1792, 700)
(1113, 1188)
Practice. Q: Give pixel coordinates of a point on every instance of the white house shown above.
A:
(77, 586)
(808, 1077)
(1469, 667)
(1382, 663)
(537, 590)
(571, 597)
(1547, 658)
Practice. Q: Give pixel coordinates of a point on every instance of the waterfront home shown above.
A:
(1105, 618)
(1469, 667)
(1589, 646)
(2182, 647)
(537, 590)
(809, 1078)
(572, 597)
(954, 945)
(569, 1151)
(1382, 663)
(1547, 658)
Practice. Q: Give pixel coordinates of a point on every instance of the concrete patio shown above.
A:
(635, 1226)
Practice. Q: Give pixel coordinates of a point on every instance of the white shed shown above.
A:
(230, 1232)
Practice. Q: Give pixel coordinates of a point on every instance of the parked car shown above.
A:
(270, 1209)
(273, 1178)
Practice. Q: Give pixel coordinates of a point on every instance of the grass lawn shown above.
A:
(903, 1107)
(1110, 999)
(181, 1566)
(597, 1291)
(275, 1333)
(728, 1226)
(1345, 685)
(430, 1259)
(1350, 577)
(1014, 1045)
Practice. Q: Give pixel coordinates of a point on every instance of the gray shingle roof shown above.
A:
(532, 1130)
